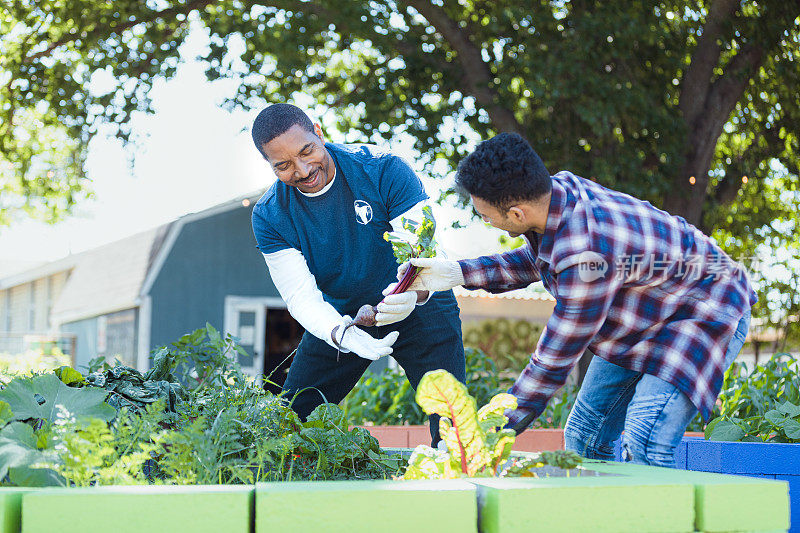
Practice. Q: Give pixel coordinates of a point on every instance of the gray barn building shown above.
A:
(128, 297)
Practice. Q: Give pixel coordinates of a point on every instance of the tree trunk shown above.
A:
(706, 105)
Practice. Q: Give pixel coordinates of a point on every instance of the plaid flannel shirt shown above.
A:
(635, 285)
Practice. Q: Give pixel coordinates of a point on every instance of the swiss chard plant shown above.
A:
(759, 406)
(387, 398)
(476, 443)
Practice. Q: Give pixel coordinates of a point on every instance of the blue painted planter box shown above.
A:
(753, 459)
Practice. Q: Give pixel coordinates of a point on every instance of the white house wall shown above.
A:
(25, 310)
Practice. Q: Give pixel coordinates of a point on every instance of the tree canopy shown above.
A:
(691, 104)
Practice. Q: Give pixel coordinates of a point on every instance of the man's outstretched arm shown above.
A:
(298, 288)
(581, 310)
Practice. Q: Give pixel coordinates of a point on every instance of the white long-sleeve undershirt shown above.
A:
(298, 287)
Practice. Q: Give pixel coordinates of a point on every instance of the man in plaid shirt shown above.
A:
(661, 307)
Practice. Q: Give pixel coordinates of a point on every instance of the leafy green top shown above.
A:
(422, 232)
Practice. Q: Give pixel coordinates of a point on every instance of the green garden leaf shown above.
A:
(325, 415)
(242, 351)
(17, 446)
(6, 414)
(213, 334)
(19, 449)
(21, 433)
(69, 375)
(789, 409)
(792, 429)
(726, 430)
(40, 396)
(25, 476)
(775, 417)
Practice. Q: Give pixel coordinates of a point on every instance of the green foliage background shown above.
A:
(762, 404)
(387, 398)
(508, 342)
(58, 429)
(640, 96)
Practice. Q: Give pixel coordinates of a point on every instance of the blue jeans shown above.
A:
(653, 413)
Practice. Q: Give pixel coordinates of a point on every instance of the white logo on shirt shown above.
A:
(363, 211)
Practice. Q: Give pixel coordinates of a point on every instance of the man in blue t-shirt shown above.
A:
(320, 228)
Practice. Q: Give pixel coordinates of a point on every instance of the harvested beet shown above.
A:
(403, 251)
(365, 316)
(366, 313)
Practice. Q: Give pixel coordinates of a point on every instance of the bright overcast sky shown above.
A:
(191, 155)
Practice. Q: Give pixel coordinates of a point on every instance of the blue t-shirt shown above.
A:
(340, 232)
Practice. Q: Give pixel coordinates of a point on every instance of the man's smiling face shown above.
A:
(299, 158)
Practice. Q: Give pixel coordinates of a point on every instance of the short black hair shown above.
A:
(275, 120)
(503, 170)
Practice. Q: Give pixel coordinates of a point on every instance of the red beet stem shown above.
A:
(408, 278)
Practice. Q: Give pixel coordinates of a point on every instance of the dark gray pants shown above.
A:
(430, 339)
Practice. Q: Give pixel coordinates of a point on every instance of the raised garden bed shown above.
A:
(766, 460)
(369, 506)
(532, 440)
(626, 498)
(152, 468)
(134, 509)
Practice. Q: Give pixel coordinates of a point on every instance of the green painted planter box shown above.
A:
(597, 504)
(368, 506)
(139, 509)
(721, 502)
(10, 508)
(623, 498)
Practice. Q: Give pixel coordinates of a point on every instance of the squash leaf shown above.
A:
(25, 476)
(789, 409)
(724, 429)
(792, 429)
(39, 397)
(6, 414)
(17, 446)
(20, 449)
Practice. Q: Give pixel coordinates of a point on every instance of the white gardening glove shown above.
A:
(395, 307)
(436, 274)
(362, 343)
